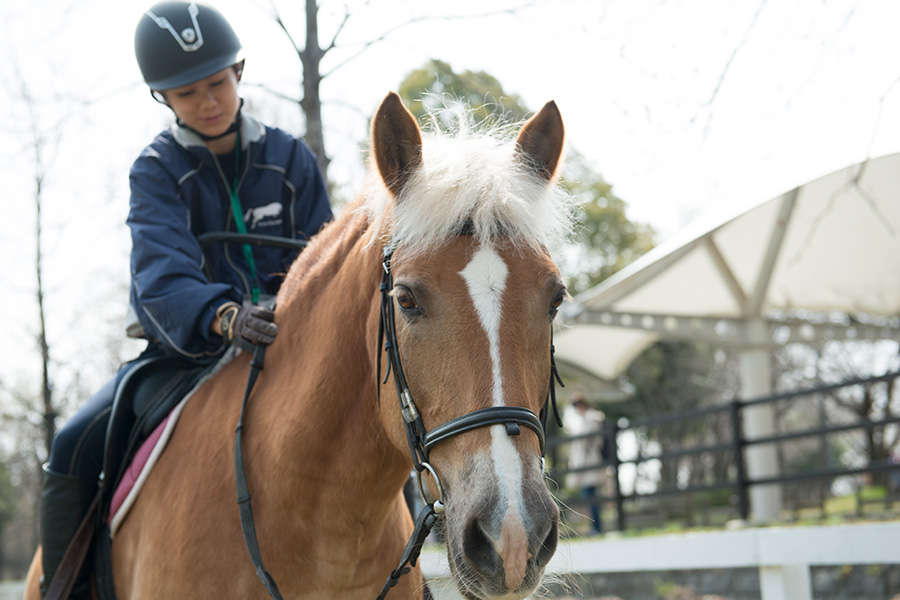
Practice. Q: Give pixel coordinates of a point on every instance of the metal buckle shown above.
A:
(439, 501)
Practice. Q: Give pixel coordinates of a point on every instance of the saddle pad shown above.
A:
(149, 452)
(139, 469)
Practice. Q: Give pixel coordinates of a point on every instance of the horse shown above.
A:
(464, 224)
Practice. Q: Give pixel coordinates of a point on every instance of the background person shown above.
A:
(580, 419)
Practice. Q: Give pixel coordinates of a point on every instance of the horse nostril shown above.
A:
(478, 548)
(548, 546)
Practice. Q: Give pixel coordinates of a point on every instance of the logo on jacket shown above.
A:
(269, 215)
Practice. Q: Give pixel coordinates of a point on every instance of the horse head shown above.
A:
(466, 223)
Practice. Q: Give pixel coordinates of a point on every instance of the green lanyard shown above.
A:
(239, 219)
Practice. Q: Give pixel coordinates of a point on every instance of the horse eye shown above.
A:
(405, 299)
(557, 302)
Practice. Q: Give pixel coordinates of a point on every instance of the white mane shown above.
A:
(470, 176)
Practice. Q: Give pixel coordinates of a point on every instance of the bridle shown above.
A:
(420, 441)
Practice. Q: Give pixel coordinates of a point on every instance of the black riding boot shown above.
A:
(64, 502)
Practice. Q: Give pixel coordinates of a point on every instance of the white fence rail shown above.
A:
(12, 590)
(782, 555)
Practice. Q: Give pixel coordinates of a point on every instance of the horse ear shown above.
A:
(541, 140)
(396, 143)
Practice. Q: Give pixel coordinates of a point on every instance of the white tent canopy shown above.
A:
(830, 247)
(819, 262)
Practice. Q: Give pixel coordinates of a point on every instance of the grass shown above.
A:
(867, 504)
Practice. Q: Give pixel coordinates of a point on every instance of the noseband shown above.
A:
(421, 441)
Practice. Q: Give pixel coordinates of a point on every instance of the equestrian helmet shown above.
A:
(178, 43)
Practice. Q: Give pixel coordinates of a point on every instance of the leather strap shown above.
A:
(511, 416)
(70, 566)
(243, 490)
(428, 516)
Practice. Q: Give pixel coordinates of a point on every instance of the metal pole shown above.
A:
(738, 437)
(620, 500)
(758, 422)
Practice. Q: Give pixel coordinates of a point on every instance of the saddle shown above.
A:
(147, 391)
(146, 394)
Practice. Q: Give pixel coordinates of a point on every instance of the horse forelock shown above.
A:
(474, 182)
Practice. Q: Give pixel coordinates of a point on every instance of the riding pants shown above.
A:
(77, 448)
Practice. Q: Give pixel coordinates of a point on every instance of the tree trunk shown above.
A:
(49, 412)
(310, 58)
(46, 388)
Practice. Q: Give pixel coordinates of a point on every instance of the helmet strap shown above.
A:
(208, 138)
(158, 96)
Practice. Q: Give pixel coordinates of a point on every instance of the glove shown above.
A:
(248, 325)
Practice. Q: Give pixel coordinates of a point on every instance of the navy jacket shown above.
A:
(178, 191)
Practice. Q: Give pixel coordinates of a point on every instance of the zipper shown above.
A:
(241, 225)
(244, 281)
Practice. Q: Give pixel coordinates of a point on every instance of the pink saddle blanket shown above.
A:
(148, 454)
(141, 465)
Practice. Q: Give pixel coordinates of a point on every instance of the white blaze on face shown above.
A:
(485, 277)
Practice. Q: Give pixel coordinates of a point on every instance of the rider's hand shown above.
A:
(252, 324)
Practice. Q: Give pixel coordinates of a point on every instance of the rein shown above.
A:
(243, 491)
(420, 441)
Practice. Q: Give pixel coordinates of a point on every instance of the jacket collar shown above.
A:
(252, 131)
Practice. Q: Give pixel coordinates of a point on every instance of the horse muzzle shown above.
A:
(501, 533)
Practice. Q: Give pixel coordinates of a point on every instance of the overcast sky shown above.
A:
(685, 107)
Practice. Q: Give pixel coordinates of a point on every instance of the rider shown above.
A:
(216, 169)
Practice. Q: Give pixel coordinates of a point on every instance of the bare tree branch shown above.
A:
(278, 20)
(876, 128)
(340, 28)
(311, 55)
(415, 21)
(727, 67)
(276, 93)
